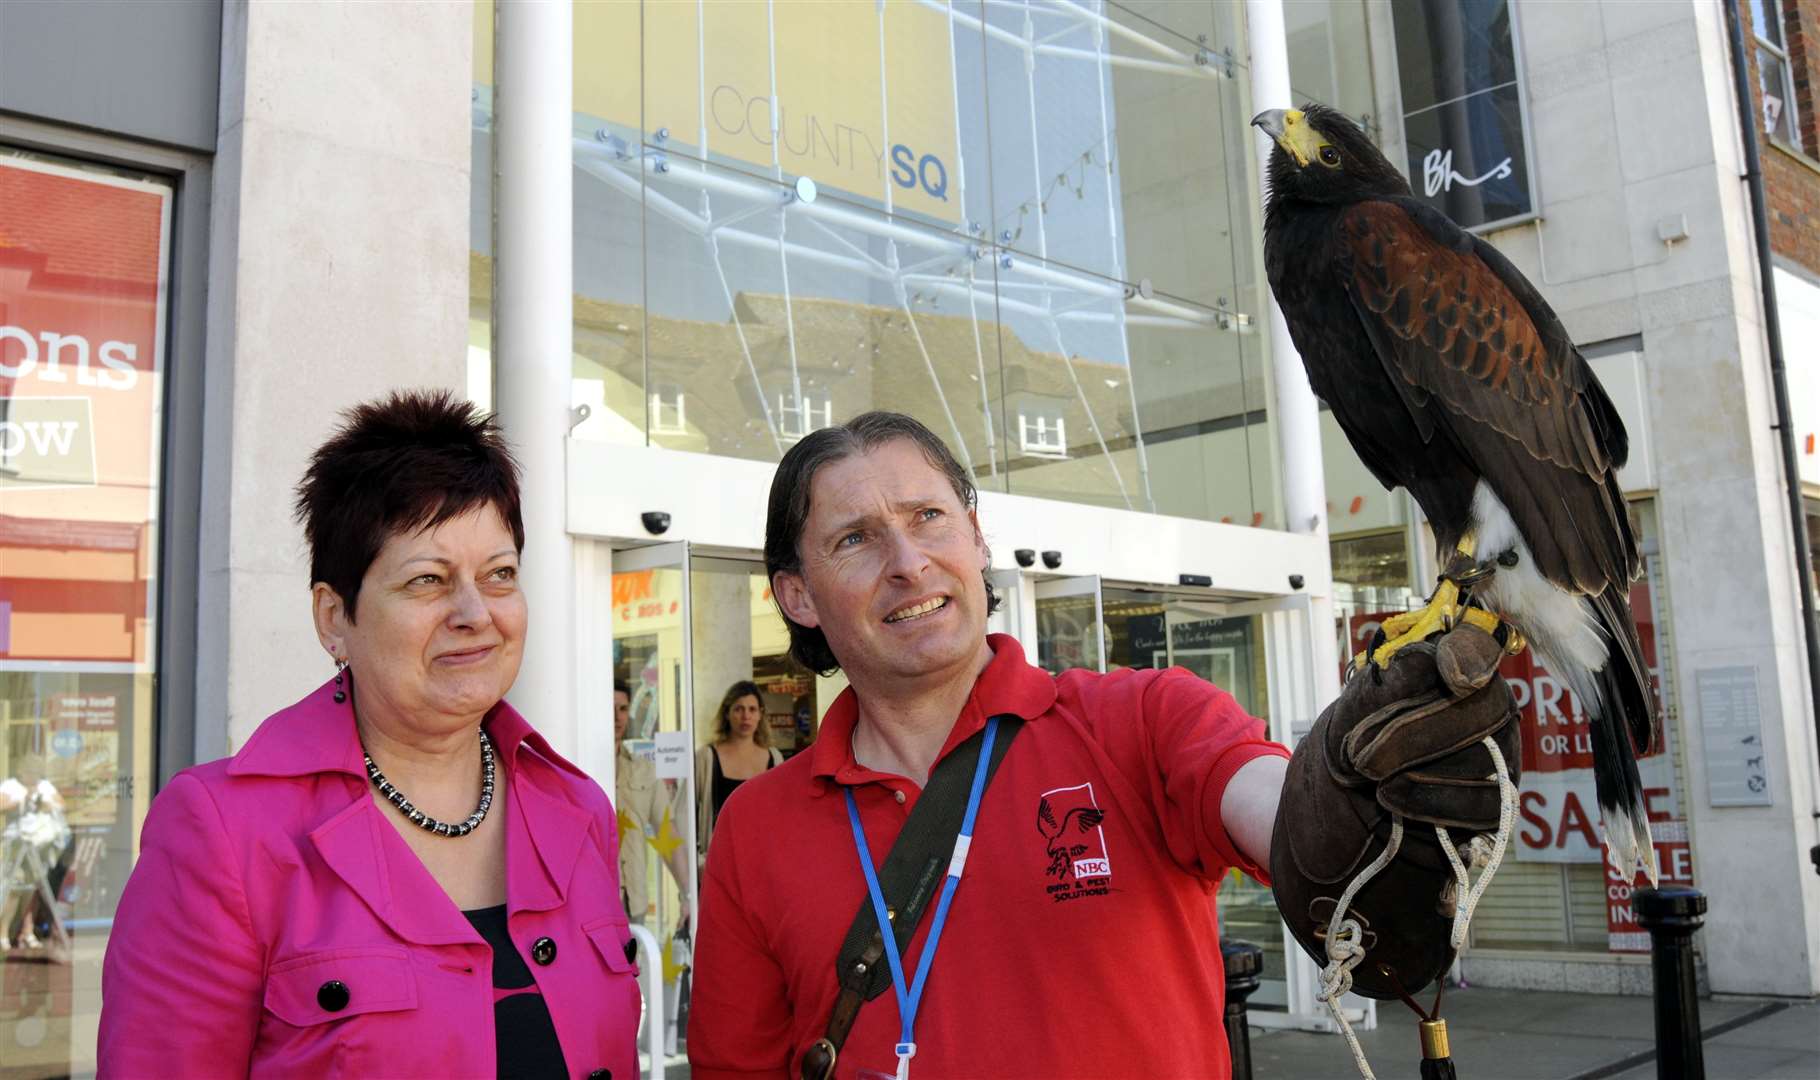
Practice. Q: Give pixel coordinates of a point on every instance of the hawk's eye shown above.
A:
(1329, 156)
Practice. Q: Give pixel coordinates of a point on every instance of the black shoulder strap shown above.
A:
(910, 878)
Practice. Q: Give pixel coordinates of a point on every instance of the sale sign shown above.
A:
(1558, 809)
(1674, 866)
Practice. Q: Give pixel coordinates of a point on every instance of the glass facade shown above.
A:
(83, 259)
(1028, 226)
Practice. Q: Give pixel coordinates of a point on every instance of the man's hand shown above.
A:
(1405, 741)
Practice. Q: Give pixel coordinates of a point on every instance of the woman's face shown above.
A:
(440, 628)
(744, 716)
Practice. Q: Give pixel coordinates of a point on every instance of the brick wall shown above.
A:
(1791, 176)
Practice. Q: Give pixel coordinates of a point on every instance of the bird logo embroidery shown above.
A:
(1069, 821)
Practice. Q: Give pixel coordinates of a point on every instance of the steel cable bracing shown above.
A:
(1042, 240)
(783, 253)
(1103, 73)
(713, 240)
(897, 277)
(960, 183)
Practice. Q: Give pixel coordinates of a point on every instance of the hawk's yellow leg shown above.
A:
(1442, 612)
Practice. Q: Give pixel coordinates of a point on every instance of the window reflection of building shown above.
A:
(82, 277)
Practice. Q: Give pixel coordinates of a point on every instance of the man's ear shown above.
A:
(331, 618)
(793, 597)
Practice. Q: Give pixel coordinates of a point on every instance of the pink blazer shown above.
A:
(267, 875)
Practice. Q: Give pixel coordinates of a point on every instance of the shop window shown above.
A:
(1775, 75)
(1463, 116)
(669, 411)
(83, 294)
(1042, 435)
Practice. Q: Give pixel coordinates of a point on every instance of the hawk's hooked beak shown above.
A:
(1292, 132)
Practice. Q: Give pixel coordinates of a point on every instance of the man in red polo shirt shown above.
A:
(1082, 939)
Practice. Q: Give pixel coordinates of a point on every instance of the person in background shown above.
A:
(645, 817)
(33, 810)
(741, 750)
(396, 876)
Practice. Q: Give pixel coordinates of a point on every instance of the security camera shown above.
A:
(1052, 559)
(656, 522)
(1025, 556)
(1295, 581)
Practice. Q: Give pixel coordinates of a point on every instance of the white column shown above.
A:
(1297, 418)
(376, 269)
(1297, 422)
(532, 333)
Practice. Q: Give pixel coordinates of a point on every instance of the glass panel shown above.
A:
(1069, 629)
(1329, 61)
(1146, 629)
(480, 213)
(82, 324)
(864, 99)
(737, 637)
(773, 315)
(1467, 158)
(1778, 102)
(654, 779)
(1766, 20)
(1447, 49)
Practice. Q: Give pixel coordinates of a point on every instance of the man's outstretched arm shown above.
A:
(1249, 806)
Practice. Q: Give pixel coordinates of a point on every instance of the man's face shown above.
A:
(622, 714)
(891, 567)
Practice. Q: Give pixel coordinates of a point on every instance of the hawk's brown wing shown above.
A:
(1480, 359)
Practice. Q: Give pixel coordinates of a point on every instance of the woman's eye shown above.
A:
(505, 573)
(425, 579)
(1329, 156)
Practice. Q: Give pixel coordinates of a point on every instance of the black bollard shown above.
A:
(1244, 971)
(1671, 914)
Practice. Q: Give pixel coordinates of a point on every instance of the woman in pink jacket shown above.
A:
(395, 876)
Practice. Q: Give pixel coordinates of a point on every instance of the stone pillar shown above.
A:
(338, 268)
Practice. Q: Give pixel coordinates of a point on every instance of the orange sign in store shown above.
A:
(859, 97)
(82, 296)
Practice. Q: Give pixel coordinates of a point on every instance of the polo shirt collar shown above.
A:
(1009, 685)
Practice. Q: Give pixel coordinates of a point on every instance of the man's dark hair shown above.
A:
(788, 512)
(620, 686)
(407, 463)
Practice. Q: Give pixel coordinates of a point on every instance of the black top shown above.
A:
(723, 784)
(524, 1037)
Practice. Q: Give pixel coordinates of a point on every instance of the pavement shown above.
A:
(1531, 1035)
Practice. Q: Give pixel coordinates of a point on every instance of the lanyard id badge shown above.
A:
(909, 998)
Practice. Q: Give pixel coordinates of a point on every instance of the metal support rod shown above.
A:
(1244, 974)
(1671, 914)
(651, 983)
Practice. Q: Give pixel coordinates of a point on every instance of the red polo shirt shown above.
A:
(1069, 951)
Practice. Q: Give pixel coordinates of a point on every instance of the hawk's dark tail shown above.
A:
(1622, 714)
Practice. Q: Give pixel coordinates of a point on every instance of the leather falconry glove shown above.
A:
(1405, 740)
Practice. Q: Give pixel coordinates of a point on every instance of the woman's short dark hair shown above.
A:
(723, 725)
(788, 512)
(404, 464)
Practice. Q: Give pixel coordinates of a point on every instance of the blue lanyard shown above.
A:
(908, 1000)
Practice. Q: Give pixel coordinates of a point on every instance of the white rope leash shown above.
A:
(1345, 947)
(1472, 891)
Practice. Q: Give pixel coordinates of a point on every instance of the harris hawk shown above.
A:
(1452, 378)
